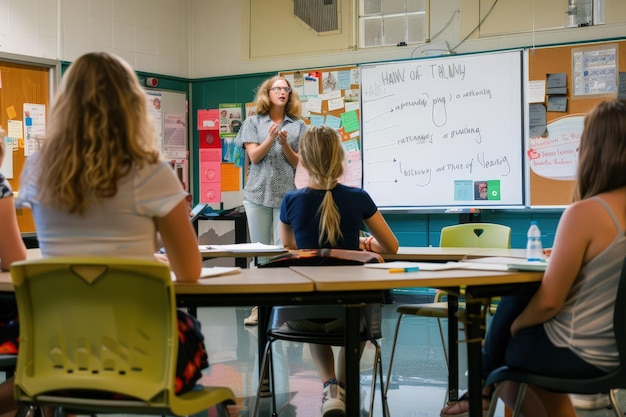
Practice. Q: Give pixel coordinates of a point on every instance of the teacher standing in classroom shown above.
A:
(271, 139)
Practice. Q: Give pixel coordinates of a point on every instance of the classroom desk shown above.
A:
(351, 286)
(337, 279)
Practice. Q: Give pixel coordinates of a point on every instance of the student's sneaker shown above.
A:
(591, 401)
(253, 318)
(333, 400)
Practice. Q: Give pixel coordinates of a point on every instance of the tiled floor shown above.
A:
(419, 377)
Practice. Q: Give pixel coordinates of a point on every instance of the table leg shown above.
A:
(453, 348)
(264, 318)
(353, 355)
(474, 356)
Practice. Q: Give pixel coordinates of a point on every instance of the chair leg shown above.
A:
(263, 371)
(393, 352)
(616, 407)
(443, 343)
(521, 393)
(374, 377)
(25, 410)
(383, 396)
(272, 381)
(494, 400)
(222, 410)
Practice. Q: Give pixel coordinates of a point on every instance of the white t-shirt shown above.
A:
(121, 226)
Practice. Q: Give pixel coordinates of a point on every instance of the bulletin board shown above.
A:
(21, 84)
(330, 96)
(552, 156)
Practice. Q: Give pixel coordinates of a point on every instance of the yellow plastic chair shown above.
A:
(100, 335)
(477, 235)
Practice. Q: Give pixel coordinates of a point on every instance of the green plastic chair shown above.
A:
(476, 235)
(100, 335)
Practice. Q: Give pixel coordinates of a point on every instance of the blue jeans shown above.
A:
(530, 349)
(263, 224)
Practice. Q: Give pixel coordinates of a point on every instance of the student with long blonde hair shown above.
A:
(99, 187)
(327, 214)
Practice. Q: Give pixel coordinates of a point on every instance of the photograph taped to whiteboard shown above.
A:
(444, 133)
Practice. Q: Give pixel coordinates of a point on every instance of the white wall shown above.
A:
(217, 26)
(208, 38)
(152, 35)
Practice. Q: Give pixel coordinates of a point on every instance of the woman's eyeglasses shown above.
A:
(277, 90)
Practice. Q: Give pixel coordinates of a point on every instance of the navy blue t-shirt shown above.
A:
(299, 209)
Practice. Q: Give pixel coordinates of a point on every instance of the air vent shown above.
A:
(320, 15)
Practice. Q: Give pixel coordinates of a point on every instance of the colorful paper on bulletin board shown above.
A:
(350, 121)
(333, 121)
(353, 170)
(239, 156)
(250, 109)
(351, 145)
(317, 120)
(208, 119)
(34, 127)
(11, 113)
(229, 149)
(230, 118)
(210, 192)
(210, 176)
(231, 177)
(210, 138)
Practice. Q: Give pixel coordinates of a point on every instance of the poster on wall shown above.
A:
(174, 135)
(34, 127)
(230, 123)
(153, 101)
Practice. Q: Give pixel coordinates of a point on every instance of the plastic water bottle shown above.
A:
(534, 248)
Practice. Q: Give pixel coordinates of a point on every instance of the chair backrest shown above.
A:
(476, 235)
(96, 325)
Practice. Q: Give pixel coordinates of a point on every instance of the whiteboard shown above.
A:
(444, 133)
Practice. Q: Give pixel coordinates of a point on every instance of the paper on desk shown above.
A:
(500, 263)
(244, 247)
(219, 270)
(423, 266)
(215, 271)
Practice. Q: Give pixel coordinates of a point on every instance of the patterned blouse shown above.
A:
(271, 178)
